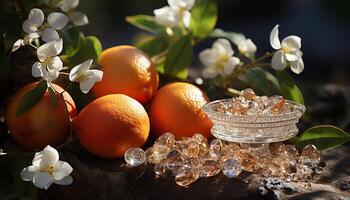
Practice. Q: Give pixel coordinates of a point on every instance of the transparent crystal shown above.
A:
(203, 144)
(231, 168)
(247, 160)
(166, 139)
(159, 169)
(216, 146)
(159, 154)
(134, 156)
(186, 176)
(288, 170)
(310, 156)
(248, 94)
(209, 167)
(277, 104)
(288, 152)
(230, 149)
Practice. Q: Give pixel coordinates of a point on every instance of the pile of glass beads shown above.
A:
(191, 158)
(247, 103)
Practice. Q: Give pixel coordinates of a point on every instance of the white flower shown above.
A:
(28, 39)
(85, 76)
(177, 11)
(50, 64)
(246, 47)
(77, 18)
(46, 169)
(219, 59)
(47, 29)
(287, 51)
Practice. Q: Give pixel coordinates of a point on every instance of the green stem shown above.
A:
(250, 65)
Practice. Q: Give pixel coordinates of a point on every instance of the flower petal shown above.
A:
(47, 157)
(29, 27)
(186, 18)
(30, 37)
(62, 169)
(92, 77)
(231, 65)
(42, 180)
(37, 70)
(17, 45)
(181, 4)
(291, 57)
(78, 18)
(210, 73)
(49, 35)
(51, 74)
(297, 66)
(187, 4)
(274, 39)
(278, 62)
(247, 46)
(68, 5)
(166, 16)
(27, 174)
(36, 16)
(50, 49)
(80, 69)
(223, 46)
(65, 181)
(292, 41)
(57, 20)
(208, 57)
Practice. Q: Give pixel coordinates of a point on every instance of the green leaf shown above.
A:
(234, 37)
(53, 97)
(160, 67)
(145, 22)
(203, 17)
(72, 40)
(179, 57)
(288, 87)
(323, 137)
(153, 45)
(90, 48)
(31, 98)
(258, 79)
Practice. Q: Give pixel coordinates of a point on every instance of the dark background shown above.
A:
(324, 27)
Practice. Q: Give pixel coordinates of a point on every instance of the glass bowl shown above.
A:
(252, 129)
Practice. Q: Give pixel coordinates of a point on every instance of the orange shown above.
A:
(127, 70)
(176, 108)
(43, 124)
(110, 125)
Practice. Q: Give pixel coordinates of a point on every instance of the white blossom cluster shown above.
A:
(219, 59)
(49, 64)
(177, 12)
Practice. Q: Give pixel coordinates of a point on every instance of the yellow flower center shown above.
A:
(48, 169)
(43, 27)
(222, 61)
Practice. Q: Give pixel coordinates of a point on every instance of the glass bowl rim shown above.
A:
(296, 113)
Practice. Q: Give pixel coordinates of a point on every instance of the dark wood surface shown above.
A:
(96, 178)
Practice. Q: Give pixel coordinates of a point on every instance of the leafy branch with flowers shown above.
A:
(173, 32)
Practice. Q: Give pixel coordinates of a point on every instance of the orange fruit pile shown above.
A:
(111, 124)
(116, 120)
(42, 124)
